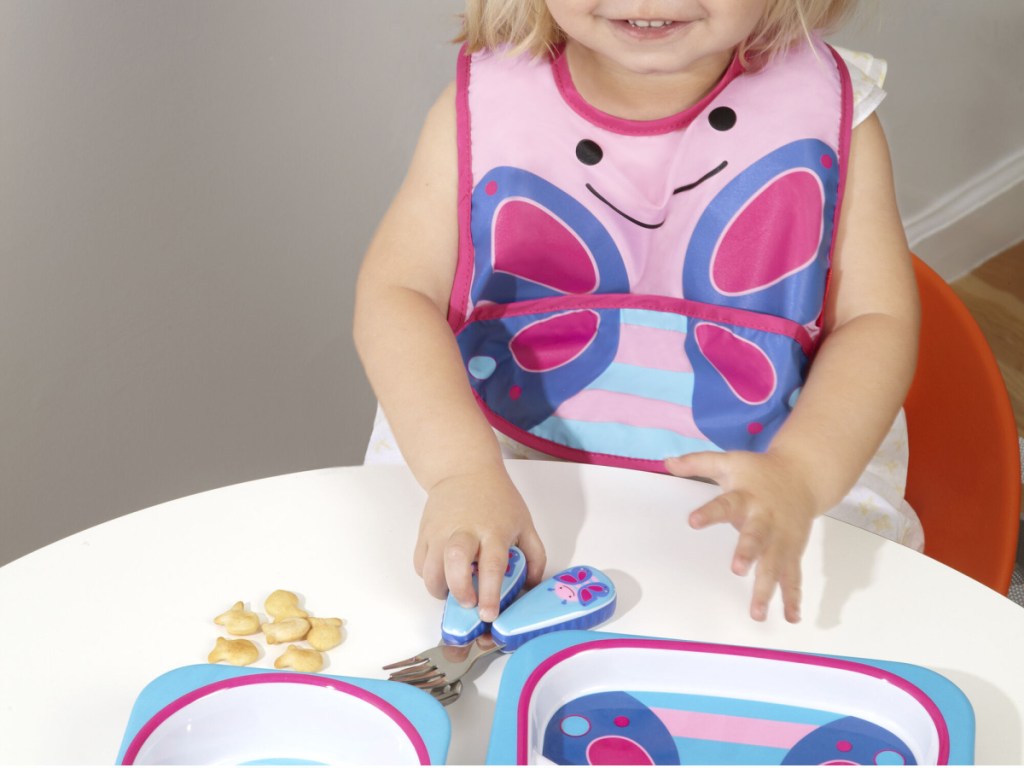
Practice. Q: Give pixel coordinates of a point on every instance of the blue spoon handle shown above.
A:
(580, 597)
(463, 625)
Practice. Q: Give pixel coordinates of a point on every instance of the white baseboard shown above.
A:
(973, 222)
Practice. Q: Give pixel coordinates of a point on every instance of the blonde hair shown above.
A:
(786, 21)
(523, 25)
(526, 25)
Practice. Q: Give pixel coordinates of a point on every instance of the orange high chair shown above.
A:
(964, 477)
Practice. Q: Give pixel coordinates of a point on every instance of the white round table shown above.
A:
(90, 620)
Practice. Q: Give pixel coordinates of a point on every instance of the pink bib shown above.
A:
(628, 291)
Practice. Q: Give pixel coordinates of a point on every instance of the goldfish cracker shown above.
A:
(324, 634)
(300, 659)
(240, 653)
(286, 630)
(238, 621)
(282, 604)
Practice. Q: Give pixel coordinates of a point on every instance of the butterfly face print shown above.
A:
(578, 586)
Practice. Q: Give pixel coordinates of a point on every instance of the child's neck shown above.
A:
(637, 96)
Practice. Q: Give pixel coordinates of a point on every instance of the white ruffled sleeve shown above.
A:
(867, 74)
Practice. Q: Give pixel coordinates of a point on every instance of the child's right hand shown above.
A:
(470, 517)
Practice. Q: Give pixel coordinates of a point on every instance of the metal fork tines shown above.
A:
(439, 670)
(447, 693)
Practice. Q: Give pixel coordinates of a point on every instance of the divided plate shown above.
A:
(207, 713)
(594, 698)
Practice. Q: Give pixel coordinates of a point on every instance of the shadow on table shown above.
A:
(627, 591)
(841, 579)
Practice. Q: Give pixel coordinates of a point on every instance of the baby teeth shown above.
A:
(644, 23)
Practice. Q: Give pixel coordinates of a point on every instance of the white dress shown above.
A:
(876, 502)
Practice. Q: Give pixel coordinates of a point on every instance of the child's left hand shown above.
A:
(773, 509)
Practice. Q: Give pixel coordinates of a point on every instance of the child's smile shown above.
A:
(649, 29)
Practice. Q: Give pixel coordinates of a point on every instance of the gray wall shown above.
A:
(186, 190)
(955, 121)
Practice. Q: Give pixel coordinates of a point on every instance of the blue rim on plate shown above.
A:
(579, 697)
(417, 714)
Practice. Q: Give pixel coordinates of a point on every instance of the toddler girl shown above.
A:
(658, 234)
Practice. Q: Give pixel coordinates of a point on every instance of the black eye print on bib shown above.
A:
(588, 152)
(722, 118)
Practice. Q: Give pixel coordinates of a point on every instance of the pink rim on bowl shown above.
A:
(181, 702)
(522, 715)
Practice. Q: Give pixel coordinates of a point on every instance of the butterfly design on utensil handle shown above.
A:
(515, 555)
(578, 585)
(580, 597)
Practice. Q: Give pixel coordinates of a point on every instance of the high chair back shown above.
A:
(964, 475)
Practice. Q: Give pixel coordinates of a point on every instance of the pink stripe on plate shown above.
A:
(732, 729)
(656, 348)
(597, 405)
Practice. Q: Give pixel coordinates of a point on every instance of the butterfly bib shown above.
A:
(627, 291)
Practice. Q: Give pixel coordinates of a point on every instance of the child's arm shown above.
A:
(856, 385)
(473, 511)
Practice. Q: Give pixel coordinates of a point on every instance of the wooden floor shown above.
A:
(994, 293)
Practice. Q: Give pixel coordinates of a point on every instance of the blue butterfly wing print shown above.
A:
(850, 741)
(534, 241)
(762, 245)
(513, 558)
(576, 575)
(608, 728)
(590, 592)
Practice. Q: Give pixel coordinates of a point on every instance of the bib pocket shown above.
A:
(631, 380)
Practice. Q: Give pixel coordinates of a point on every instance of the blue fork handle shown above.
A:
(580, 597)
(463, 625)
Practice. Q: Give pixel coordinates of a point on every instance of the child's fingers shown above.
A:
(707, 464)
(419, 556)
(430, 565)
(491, 565)
(764, 587)
(459, 554)
(790, 583)
(792, 594)
(774, 571)
(725, 508)
(752, 543)
(766, 577)
(536, 557)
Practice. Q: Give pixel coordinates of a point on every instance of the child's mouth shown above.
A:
(645, 29)
(648, 23)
